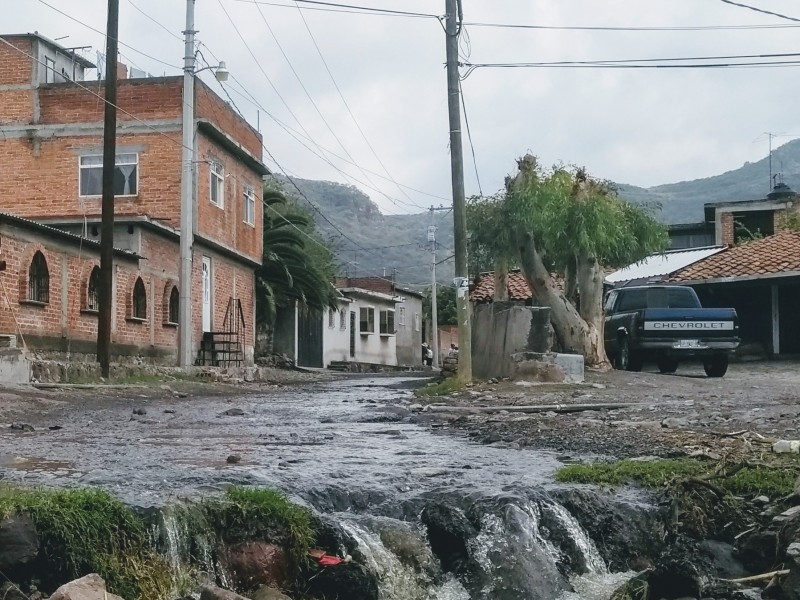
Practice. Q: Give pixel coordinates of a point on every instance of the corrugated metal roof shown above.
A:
(658, 265)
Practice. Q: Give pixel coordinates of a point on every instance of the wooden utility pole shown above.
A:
(459, 200)
(105, 289)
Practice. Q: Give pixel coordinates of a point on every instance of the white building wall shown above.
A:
(336, 338)
(370, 347)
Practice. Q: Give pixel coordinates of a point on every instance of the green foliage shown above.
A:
(446, 310)
(84, 531)
(790, 221)
(296, 264)
(772, 481)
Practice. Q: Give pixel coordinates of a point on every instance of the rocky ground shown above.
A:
(753, 405)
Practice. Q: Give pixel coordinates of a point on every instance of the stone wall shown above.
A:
(503, 329)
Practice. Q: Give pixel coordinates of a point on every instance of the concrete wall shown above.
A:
(502, 329)
(409, 338)
(376, 348)
(336, 336)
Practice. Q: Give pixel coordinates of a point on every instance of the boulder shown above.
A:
(255, 563)
(269, 593)
(346, 580)
(90, 587)
(212, 592)
(19, 544)
(449, 534)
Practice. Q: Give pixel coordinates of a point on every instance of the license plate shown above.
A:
(687, 343)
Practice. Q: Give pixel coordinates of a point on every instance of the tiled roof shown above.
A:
(779, 253)
(517, 287)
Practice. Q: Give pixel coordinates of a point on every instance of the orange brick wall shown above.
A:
(18, 247)
(728, 233)
(15, 67)
(226, 225)
(47, 185)
(211, 107)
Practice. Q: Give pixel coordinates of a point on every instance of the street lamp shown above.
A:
(185, 324)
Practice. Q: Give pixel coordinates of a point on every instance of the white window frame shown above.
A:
(370, 321)
(216, 183)
(386, 329)
(120, 160)
(249, 206)
(49, 69)
(416, 322)
(401, 316)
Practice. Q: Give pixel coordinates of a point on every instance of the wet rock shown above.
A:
(675, 422)
(232, 412)
(761, 500)
(169, 411)
(213, 592)
(55, 427)
(758, 550)
(449, 534)
(19, 544)
(269, 593)
(90, 587)
(9, 591)
(723, 563)
(25, 427)
(255, 563)
(140, 411)
(679, 572)
(233, 459)
(346, 580)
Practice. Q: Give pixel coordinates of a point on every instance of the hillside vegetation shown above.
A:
(397, 243)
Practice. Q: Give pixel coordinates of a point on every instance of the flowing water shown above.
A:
(348, 449)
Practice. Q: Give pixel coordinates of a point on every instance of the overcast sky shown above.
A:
(643, 127)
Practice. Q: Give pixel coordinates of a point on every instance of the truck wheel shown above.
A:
(626, 359)
(716, 366)
(667, 364)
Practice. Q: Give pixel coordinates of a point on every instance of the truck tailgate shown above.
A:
(703, 323)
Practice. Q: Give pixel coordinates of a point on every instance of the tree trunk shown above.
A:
(501, 280)
(573, 332)
(571, 282)
(590, 278)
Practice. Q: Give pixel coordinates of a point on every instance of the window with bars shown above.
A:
(217, 184)
(39, 279)
(331, 318)
(401, 316)
(139, 304)
(343, 319)
(93, 290)
(249, 206)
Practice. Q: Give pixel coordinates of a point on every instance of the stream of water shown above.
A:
(346, 448)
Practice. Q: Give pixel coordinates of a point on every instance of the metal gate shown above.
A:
(309, 338)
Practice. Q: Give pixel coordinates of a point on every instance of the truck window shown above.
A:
(658, 297)
(612, 297)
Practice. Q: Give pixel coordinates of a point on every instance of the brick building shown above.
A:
(51, 126)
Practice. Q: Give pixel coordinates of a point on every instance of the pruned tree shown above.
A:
(564, 222)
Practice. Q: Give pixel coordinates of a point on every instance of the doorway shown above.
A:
(352, 334)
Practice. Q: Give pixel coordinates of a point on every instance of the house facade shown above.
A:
(51, 126)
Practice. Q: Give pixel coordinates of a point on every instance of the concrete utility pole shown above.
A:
(185, 326)
(434, 307)
(452, 29)
(105, 289)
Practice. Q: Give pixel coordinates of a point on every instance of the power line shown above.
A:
(121, 43)
(760, 10)
(469, 138)
(157, 22)
(319, 112)
(352, 7)
(347, 105)
(631, 28)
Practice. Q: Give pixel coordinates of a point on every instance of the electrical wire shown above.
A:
(352, 7)
(120, 42)
(347, 105)
(319, 112)
(469, 137)
(622, 28)
(156, 21)
(761, 10)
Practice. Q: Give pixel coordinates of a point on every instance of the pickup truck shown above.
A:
(666, 323)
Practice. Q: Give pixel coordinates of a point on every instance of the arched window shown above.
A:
(38, 279)
(174, 305)
(92, 290)
(139, 300)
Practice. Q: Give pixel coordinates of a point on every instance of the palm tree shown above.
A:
(294, 267)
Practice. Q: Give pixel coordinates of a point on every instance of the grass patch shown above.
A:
(771, 481)
(85, 530)
(260, 513)
(447, 386)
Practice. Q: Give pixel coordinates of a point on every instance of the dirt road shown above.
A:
(661, 414)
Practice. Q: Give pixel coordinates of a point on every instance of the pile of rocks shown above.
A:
(450, 365)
